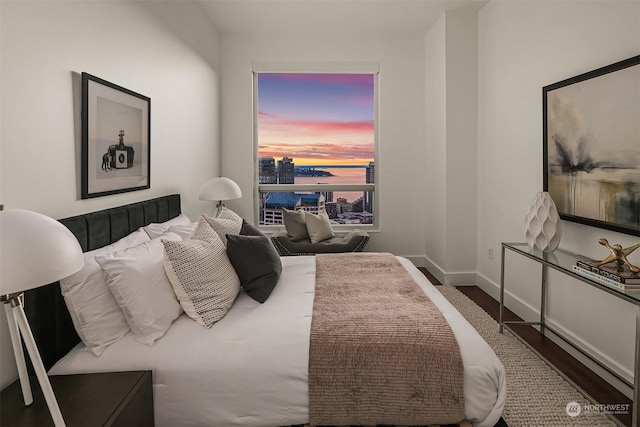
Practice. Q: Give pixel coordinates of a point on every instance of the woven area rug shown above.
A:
(536, 394)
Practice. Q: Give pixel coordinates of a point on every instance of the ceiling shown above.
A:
(330, 16)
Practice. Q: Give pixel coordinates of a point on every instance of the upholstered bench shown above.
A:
(354, 241)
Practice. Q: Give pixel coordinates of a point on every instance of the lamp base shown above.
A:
(219, 207)
(18, 325)
(9, 302)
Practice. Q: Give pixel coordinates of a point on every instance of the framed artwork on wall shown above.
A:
(116, 139)
(591, 146)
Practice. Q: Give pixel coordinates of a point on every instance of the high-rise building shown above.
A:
(328, 196)
(371, 173)
(286, 171)
(275, 202)
(332, 209)
(344, 205)
(368, 195)
(312, 202)
(267, 170)
(358, 205)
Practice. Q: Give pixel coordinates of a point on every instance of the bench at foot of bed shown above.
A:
(353, 241)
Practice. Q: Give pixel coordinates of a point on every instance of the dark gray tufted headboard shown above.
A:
(45, 307)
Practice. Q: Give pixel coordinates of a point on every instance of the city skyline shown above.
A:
(285, 170)
(325, 119)
(316, 165)
(346, 207)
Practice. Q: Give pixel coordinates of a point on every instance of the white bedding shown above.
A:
(250, 368)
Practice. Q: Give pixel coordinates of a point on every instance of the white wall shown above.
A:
(164, 50)
(401, 159)
(523, 46)
(436, 143)
(450, 121)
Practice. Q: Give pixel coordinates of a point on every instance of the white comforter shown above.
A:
(250, 368)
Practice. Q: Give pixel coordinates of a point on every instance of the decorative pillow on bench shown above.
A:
(318, 226)
(295, 224)
(302, 225)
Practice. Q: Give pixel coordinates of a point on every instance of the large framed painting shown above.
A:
(116, 139)
(591, 136)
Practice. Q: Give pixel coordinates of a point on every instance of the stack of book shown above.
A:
(620, 277)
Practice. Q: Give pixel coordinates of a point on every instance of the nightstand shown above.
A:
(105, 399)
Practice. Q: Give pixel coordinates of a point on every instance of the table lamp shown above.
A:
(35, 250)
(220, 189)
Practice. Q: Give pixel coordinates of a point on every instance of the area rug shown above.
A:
(536, 394)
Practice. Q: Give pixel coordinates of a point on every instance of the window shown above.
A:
(316, 145)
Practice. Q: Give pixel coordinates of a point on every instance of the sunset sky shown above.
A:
(317, 119)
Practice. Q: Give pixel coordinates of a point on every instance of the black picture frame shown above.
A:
(591, 146)
(116, 139)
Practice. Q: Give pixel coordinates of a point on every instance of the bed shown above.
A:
(251, 367)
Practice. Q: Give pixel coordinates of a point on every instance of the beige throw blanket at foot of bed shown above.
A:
(380, 351)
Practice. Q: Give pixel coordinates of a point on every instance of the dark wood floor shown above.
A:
(591, 383)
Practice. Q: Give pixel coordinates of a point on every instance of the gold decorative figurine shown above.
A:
(618, 255)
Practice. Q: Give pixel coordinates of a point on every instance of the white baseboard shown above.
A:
(526, 311)
(460, 278)
(417, 260)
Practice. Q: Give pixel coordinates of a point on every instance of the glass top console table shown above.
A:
(563, 261)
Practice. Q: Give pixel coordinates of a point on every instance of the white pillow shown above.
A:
(136, 278)
(318, 226)
(184, 230)
(226, 213)
(96, 315)
(201, 274)
(224, 226)
(157, 228)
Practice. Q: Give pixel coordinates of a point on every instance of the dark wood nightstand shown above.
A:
(105, 399)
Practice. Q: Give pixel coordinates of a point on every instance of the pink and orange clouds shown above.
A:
(310, 142)
(317, 118)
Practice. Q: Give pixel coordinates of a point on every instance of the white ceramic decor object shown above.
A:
(543, 226)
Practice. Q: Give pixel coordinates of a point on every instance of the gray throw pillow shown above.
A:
(257, 263)
(249, 230)
(319, 226)
(296, 225)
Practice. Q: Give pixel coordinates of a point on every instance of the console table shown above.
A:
(563, 261)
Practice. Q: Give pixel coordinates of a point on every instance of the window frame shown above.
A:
(317, 68)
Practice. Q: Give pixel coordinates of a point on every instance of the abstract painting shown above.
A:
(591, 137)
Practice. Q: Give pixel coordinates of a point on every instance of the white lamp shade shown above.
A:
(220, 188)
(35, 250)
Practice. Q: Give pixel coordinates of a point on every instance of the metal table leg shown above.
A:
(543, 298)
(501, 289)
(635, 417)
